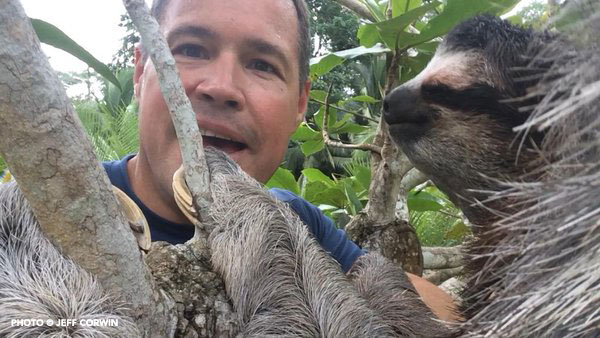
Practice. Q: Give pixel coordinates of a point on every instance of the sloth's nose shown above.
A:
(401, 105)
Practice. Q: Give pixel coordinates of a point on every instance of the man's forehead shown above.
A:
(285, 7)
(269, 16)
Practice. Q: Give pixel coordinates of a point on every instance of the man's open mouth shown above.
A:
(221, 142)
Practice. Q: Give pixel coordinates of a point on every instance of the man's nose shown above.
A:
(401, 105)
(218, 84)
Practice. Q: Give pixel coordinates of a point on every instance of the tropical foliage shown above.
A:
(409, 31)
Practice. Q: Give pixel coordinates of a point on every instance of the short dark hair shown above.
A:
(304, 44)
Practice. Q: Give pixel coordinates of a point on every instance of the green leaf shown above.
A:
(317, 94)
(332, 118)
(412, 66)
(457, 231)
(424, 201)
(390, 30)
(312, 146)
(305, 133)
(360, 51)
(312, 190)
(368, 35)
(402, 6)
(455, 12)
(313, 174)
(51, 35)
(428, 47)
(284, 179)
(364, 98)
(320, 115)
(354, 203)
(363, 176)
(348, 127)
(318, 193)
(376, 9)
(323, 64)
(119, 97)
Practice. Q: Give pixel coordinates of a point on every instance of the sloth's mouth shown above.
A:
(409, 126)
(413, 117)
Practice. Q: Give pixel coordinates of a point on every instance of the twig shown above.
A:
(357, 7)
(328, 141)
(184, 120)
(351, 112)
(449, 214)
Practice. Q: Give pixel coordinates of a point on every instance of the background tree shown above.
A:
(395, 45)
(123, 58)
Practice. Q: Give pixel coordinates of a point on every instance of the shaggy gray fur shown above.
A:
(387, 289)
(283, 284)
(37, 282)
(278, 278)
(518, 148)
(552, 288)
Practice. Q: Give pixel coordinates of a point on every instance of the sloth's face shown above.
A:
(455, 119)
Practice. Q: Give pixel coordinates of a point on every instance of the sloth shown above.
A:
(505, 120)
(288, 287)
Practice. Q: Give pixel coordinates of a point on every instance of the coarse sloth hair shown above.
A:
(38, 283)
(279, 279)
(506, 121)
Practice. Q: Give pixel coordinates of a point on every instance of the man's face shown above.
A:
(238, 62)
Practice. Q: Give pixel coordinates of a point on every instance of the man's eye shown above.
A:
(191, 51)
(262, 66)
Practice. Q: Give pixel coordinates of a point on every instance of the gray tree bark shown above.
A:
(49, 155)
(379, 227)
(442, 257)
(184, 118)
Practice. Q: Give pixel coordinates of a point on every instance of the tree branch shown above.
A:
(351, 112)
(413, 178)
(357, 7)
(48, 153)
(182, 113)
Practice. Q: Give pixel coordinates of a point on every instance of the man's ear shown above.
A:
(302, 102)
(139, 62)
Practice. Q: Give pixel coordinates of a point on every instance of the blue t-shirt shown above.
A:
(333, 240)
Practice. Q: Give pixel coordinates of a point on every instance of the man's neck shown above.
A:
(146, 187)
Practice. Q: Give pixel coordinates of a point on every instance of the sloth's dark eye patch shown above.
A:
(478, 98)
(473, 98)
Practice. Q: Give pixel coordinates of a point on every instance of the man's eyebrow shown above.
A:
(190, 30)
(264, 47)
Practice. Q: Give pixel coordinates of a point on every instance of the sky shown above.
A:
(93, 24)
